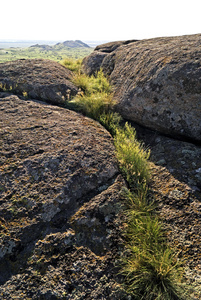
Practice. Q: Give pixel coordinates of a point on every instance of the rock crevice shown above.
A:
(156, 82)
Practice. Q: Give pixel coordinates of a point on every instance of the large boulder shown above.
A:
(92, 63)
(59, 204)
(38, 79)
(157, 83)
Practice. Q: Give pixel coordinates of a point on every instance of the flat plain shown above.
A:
(11, 54)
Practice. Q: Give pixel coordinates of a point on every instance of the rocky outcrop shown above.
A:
(111, 46)
(157, 82)
(92, 63)
(38, 79)
(60, 204)
(61, 220)
(175, 186)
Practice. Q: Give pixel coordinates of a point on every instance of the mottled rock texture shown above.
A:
(61, 218)
(92, 63)
(175, 186)
(157, 82)
(38, 79)
(60, 204)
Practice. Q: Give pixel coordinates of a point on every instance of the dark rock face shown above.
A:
(38, 79)
(175, 184)
(59, 204)
(92, 63)
(157, 83)
(111, 46)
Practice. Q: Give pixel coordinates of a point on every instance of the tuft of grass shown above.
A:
(72, 64)
(132, 156)
(153, 278)
(139, 201)
(95, 97)
(93, 84)
(94, 105)
(111, 121)
(152, 270)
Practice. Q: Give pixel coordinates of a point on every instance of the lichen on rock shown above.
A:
(56, 168)
(38, 79)
(156, 82)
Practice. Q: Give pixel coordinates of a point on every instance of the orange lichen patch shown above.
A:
(14, 225)
(166, 60)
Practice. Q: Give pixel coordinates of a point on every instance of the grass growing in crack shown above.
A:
(72, 64)
(151, 268)
(93, 84)
(132, 156)
(93, 105)
(95, 96)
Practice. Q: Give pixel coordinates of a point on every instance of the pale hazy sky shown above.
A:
(98, 20)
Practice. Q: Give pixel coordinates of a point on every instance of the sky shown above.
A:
(92, 20)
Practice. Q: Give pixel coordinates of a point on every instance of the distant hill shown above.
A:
(72, 44)
(64, 45)
(42, 47)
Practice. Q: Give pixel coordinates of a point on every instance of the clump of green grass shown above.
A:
(151, 269)
(111, 121)
(95, 98)
(72, 64)
(93, 105)
(132, 156)
(153, 277)
(93, 84)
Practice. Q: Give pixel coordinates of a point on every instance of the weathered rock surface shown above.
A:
(38, 79)
(111, 46)
(157, 82)
(60, 201)
(60, 204)
(92, 63)
(175, 185)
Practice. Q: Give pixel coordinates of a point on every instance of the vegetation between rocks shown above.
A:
(151, 268)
